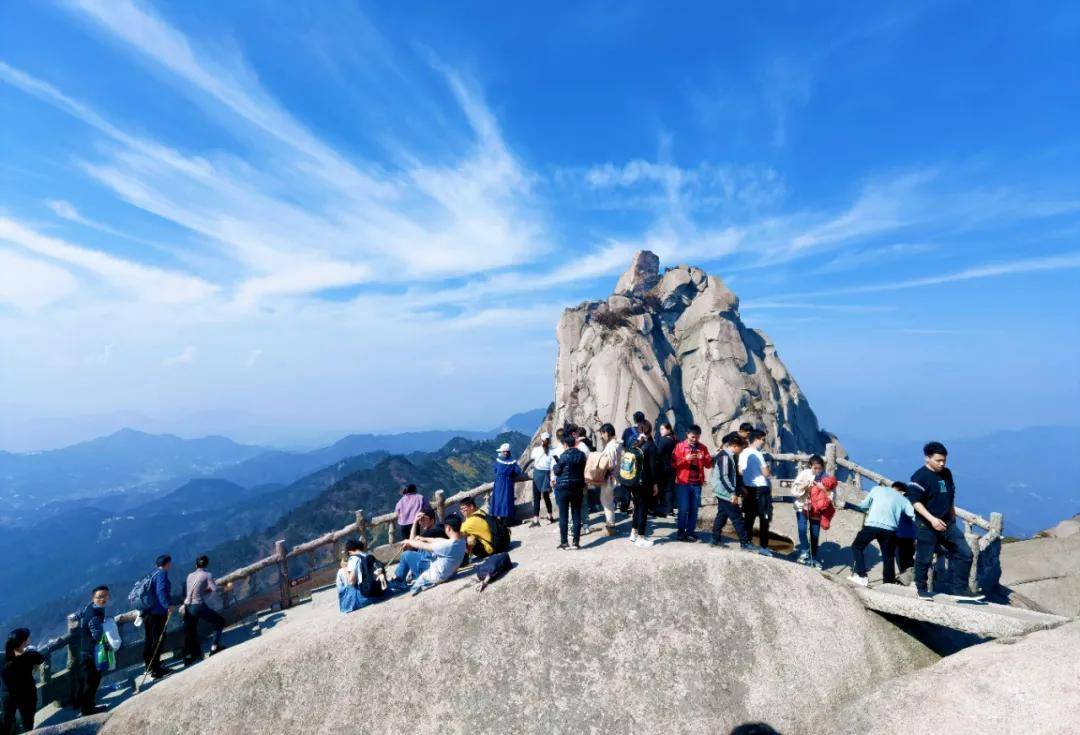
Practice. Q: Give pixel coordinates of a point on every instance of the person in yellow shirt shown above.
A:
(476, 530)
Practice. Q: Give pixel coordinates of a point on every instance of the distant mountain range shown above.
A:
(121, 471)
(1031, 475)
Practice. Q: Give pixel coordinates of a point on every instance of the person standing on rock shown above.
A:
(636, 477)
(507, 473)
(758, 492)
(157, 617)
(542, 462)
(587, 449)
(665, 473)
(725, 483)
(885, 506)
(609, 464)
(408, 507)
(630, 433)
(17, 676)
(569, 472)
(197, 591)
(690, 459)
(932, 493)
(91, 629)
(800, 490)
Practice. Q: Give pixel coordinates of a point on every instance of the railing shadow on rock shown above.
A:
(272, 583)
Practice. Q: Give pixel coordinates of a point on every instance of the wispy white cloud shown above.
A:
(186, 357)
(30, 284)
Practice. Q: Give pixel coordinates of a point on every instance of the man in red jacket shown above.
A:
(690, 459)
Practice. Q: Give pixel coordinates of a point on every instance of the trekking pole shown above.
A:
(161, 637)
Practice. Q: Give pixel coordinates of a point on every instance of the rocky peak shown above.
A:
(675, 347)
(642, 275)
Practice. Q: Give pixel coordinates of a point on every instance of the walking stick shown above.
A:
(161, 637)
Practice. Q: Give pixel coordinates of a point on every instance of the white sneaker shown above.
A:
(765, 552)
(643, 542)
(804, 558)
(860, 581)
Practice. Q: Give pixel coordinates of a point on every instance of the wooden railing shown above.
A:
(242, 594)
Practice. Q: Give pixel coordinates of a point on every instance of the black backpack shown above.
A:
(372, 574)
(500, 533)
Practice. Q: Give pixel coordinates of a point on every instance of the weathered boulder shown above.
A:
(1045, 571)
(1030, 685)
(676, 639)
(675, 347)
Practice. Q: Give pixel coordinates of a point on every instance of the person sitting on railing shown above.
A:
(932, 493)
(427, 525)
(885, 507)
(507, 473)
(800, 490)
(197, 590)
(20, 690)
(91, 629)
(408, 507)
(477, 532)
(432, 561)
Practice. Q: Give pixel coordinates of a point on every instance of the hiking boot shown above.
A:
(859, 580)
(689, 538)
(925, 595)
(747, 547)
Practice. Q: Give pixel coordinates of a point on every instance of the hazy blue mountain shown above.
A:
(122, 461)
(526, 422)
(1030, 475)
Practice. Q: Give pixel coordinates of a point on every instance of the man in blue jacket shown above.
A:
(155, 618)
(91, 628)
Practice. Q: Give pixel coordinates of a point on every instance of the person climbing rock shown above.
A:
(932, 493)
(690, 459)
(884, 507)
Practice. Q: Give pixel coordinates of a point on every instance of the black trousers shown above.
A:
(86, 690)
(886, 541)
(26, 707)
(192, 615)
(541, 489)
(153, 626)
(665, 498)
(952, 542)
(643, 497)
(728, 511)
(905, 553)
(569, 502)
(757, 503)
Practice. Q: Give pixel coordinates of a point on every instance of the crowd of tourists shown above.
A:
(636, 473)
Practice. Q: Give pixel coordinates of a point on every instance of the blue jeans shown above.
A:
(413, 561)
(689, 502)
(814, 527)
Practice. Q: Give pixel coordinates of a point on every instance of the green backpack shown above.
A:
(630, 467)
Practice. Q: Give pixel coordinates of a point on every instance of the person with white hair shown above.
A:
(543, 459)
(507, 473)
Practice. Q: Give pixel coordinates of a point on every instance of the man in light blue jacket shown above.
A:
(884, 506)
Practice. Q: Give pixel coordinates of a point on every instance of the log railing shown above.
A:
(242, 594)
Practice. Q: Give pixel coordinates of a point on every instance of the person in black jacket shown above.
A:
(665, 474)
(91, 628)
(569, 474)
(644, 490)
(20, 689)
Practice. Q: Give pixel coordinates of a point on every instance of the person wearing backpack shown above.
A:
(885, 507)
(198, 588)
(156, 616)
(569, 487)
(479, 535)
(690, 459)
(607, 466)
(17, 676)
(91, 630)
(636, 476)
(507, 473)
(725, 484)
(443, 556)
(361, 585)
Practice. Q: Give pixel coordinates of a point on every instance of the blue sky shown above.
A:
(286, 220)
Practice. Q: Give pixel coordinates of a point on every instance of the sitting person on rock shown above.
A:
(350, 598)
(884, 507)
(427, 525)
(431, 561)
(476, 530)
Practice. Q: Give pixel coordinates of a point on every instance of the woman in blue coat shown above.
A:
(507, 473)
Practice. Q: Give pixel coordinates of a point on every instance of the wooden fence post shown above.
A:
(391, 529)
(361, 526)
(830, 458)
(283, 574)
(440, 504)
(972, 540)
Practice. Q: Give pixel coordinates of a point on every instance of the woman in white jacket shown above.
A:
(800, 489)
